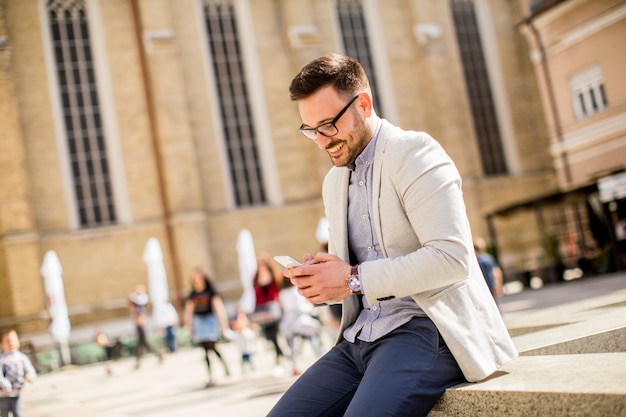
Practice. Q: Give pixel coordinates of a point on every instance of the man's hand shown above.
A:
(321, 278)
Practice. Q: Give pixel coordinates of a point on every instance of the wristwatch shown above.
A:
(353, 282)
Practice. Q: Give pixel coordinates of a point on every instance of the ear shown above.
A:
(364, 103)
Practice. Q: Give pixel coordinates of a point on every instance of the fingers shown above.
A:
(302, 282)
(321, 278)
(324, 257)
(309, 293)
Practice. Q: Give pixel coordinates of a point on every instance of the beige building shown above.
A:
(575, 48)
(123, 120)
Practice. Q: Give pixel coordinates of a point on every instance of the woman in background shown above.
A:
(206, 318)
(268, 312)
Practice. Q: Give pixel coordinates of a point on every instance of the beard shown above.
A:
(353, 145)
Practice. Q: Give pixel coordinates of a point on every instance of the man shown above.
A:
(417, 314)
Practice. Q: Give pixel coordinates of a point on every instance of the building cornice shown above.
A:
(586, 29)
(591, 135)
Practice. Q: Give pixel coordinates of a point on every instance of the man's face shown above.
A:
(352, 136)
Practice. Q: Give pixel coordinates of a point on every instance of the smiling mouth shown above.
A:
(336, 148)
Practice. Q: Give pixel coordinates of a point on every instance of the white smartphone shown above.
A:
(286, 261)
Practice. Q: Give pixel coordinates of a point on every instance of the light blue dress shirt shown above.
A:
(380, 317)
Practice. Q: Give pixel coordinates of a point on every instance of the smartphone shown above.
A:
(286, 261)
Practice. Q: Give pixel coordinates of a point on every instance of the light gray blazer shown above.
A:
(424, 233)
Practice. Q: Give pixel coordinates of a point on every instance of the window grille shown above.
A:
(81, 111)
(588, 94)
(478, 88)
(355, 41)
(234, 103)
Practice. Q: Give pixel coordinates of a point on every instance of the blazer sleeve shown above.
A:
(420, 220)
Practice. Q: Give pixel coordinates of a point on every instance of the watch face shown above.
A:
(354, 284)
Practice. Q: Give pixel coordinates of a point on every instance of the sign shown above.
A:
(612, 188)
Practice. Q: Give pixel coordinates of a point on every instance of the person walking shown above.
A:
(417, 314)
(138, 306)
(268, 312)
(244, 335)
(205, 318)
(15, 370)
(298, 322)
(166, 318)
(489, 267)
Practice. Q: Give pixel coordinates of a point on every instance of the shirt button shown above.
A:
(374, 308)
(361, 182)
(369, 248)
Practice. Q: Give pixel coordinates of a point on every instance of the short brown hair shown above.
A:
(345, 74)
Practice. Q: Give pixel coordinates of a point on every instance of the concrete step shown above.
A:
(524, 321)
(590, 385)
(604, 332)
(572, 363)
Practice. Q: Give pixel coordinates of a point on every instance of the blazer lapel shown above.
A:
(342, 226)
(381, 144)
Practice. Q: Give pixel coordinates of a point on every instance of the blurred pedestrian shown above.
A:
(205, 318)
(138, 306)
(298, 322)
(15, 370)
(107, 345)
(166, 318)
(267, 312)
(489, 267)
(244, 335)
(620, 237)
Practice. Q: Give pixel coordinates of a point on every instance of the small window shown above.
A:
(588, 96)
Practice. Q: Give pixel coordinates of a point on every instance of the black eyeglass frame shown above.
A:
(311, 132)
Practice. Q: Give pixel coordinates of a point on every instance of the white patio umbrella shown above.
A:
(321, 233)
(59, 328)
(246, 255)
(157, 280)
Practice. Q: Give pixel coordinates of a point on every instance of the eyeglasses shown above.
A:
(327, 129)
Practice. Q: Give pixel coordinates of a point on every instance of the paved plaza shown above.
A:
(177, 387)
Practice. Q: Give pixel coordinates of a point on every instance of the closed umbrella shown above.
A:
(321, 233)
(246, 256)
(157, 280)
(59, 328)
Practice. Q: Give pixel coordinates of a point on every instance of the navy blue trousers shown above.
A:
(401, 374)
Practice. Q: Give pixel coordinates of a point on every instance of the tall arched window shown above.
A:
(81, 112)
(478, 88)
(234, 102)
(355, 40)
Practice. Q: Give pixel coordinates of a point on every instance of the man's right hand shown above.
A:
(321, 278)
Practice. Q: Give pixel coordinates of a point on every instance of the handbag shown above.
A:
(268, 312)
